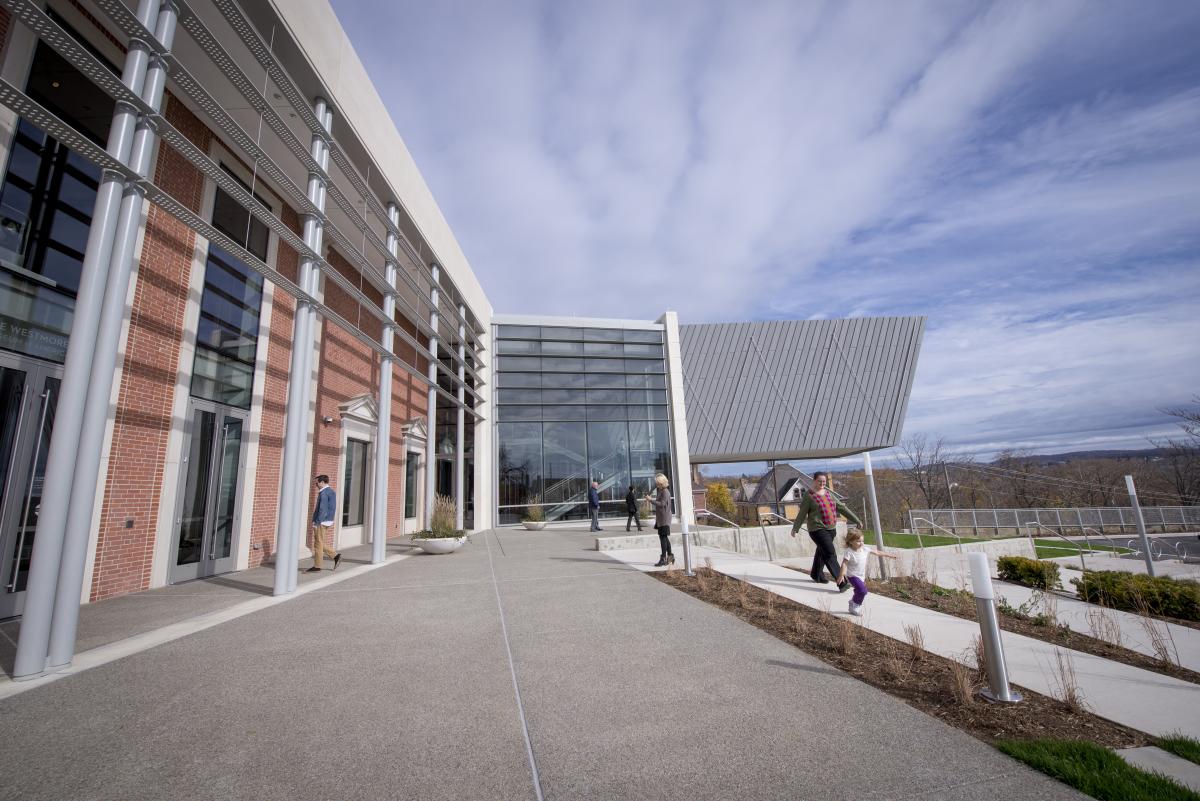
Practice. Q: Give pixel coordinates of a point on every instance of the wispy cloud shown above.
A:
(1027, 175)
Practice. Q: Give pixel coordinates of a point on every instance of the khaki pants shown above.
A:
(320, 548)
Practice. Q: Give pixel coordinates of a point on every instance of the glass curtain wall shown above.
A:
(576, 405)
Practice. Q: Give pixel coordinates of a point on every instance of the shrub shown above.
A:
(1137, 592)
(1030, 572)
(719, 500)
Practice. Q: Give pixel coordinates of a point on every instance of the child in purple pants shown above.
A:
(854, 568)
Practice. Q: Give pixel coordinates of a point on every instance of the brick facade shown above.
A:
(137, 457)
(138, 470)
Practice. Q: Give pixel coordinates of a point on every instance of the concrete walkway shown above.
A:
(525, 666)
(1141, 699)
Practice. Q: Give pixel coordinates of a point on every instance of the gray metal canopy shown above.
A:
(797, 389)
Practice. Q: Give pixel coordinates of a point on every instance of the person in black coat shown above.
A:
(631, 506)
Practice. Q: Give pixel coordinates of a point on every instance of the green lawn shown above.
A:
(1181, 746)
(1046, 548)
(1094, 770)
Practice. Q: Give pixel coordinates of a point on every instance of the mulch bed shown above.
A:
(962, 604)
(923, 680)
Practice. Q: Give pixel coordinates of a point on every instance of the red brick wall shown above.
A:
(143, 419)
(137, 459)
(265, 512)
(349, 369)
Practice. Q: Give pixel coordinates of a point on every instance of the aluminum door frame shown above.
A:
(31, 419)
(207, 566)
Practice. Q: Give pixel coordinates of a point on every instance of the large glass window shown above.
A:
(46, 206)
(227, 333)
(520, 462)
(593, 406)
(354, 488)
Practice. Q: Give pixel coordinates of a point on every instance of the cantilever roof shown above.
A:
(797, 389)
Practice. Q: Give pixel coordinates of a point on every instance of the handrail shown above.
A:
(1117, 548)
(736, 527)
(939, 528)
(767, 540)
(1031, 523)
(773, 514)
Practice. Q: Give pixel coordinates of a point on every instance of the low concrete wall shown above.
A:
(748, 541)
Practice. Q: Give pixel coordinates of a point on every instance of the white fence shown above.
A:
(1104, 519)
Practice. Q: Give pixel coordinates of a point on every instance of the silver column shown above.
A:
(460, 439)
(1141, 524)
(77, 371)
(383, 433)
(998, 689)
(294, 479)
(883, 570)
(104, 365)
(431, 442)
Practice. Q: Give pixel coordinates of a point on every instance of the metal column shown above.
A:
(431, 442)
(460, 439)
(104, 365)
(874, 510)
(34, 639)
(294, 483)
(383, 432)
(1141, 524)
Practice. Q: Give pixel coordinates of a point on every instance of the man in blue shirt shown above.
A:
(322, 523)
(594, 504)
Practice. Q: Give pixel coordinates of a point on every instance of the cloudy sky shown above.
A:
(1026, 175)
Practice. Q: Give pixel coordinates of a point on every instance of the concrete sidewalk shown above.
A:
(403, 682)
(1143, 700)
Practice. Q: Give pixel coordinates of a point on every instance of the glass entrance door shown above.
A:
(207, 521)
(28, 397)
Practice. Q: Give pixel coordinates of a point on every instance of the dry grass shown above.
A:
(1162, 642)
(743, 593)
(770, 606)
(846, 636)
(961, 687)
(979, 653)
(1067, 683)
(1103, 625)
(702, 582)
(916, 641)
(1049, 603)
(799, 623)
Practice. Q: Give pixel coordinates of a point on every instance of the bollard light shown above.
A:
(998, 689)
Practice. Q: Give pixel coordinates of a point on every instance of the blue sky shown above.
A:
(1026, 175)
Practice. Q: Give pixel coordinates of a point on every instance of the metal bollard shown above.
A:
(989, 626)
(688, 569)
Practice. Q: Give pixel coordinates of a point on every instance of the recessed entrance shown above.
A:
(206, 524)
(28, 397)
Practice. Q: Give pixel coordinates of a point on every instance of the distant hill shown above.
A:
(1076, 456)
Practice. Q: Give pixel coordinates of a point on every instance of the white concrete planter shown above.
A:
(534, 525)
(439, 544)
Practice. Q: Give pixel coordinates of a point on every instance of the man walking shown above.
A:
(594, 504)
(322, 525)
(631, 506)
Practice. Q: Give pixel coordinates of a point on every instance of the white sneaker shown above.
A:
(854, 609)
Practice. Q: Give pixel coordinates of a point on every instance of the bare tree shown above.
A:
(1182, 454)
(922, 461)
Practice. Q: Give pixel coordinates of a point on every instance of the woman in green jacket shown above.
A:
(819, 511)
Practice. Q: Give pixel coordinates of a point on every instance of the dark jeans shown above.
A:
(664, 540)
(825, 556)
(633, 518)
(595, 517)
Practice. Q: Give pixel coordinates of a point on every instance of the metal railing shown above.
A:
(939, 528)
(737, 530)
(1101, 518)
(1074, 545)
